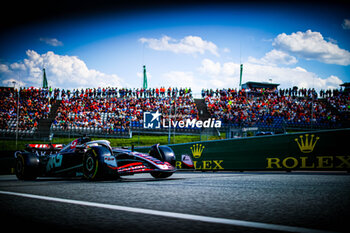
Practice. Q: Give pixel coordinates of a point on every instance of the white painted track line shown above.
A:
(233, 222)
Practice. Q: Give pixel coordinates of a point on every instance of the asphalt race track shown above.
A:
(185, 202)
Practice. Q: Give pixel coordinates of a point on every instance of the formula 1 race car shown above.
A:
(94, 160)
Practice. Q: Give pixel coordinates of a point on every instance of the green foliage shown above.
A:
(137, 140)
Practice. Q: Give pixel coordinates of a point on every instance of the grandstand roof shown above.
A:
(260, 85)
(346, 86)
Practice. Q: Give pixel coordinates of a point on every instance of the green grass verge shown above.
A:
(142, 140)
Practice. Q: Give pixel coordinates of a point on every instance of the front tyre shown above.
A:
(161, 175)
(91, 165)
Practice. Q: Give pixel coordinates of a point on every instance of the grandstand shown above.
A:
(116, 112)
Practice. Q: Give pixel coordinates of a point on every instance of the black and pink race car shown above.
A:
(94, 160)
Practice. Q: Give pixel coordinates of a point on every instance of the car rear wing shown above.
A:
(44, 147)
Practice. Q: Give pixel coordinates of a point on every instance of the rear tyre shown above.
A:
(23, 171)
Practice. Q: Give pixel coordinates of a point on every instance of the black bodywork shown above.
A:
(93, 160)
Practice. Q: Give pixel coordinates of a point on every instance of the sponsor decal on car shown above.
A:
(133, 167)
(54, 161)
(45, 146)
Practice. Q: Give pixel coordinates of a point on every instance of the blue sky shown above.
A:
(187, 46)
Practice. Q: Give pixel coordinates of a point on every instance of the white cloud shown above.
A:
(229, 69)
(346, 24)
(51, 41)
(312, 46)
(209, 67)
(226, 50)
(179, 79)
(4, 68)
(62, 71)
(227, 75)
(12, 83)
(187, 45)
(274, 57)
(212, 74)
(218, 75)
(288, 77)
(215, 69)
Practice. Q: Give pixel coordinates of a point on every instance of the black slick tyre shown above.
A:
(91, 165)
(22, 170)
(161, 175)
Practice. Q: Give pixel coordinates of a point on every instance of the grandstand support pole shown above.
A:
(240, 77)
(145, 84)
(17, 117)
(174, 119)
(312, 104)
(284, 126)
(44, 79)
(312, 110)
(169, 125)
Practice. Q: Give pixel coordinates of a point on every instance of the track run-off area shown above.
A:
(185, 202)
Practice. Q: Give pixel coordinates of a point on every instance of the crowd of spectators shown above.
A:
(119, 109)
(294, 92)
(277, 108)
(114, 110)
(113, 92)
(340, 103)
(33, 106)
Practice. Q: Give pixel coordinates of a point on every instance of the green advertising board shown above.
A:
(316, 150)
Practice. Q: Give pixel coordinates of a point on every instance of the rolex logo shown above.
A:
(306, 145)
(197, 150)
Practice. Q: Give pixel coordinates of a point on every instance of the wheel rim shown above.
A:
(90, 164)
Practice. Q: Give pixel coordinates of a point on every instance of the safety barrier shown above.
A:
(314, 150)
